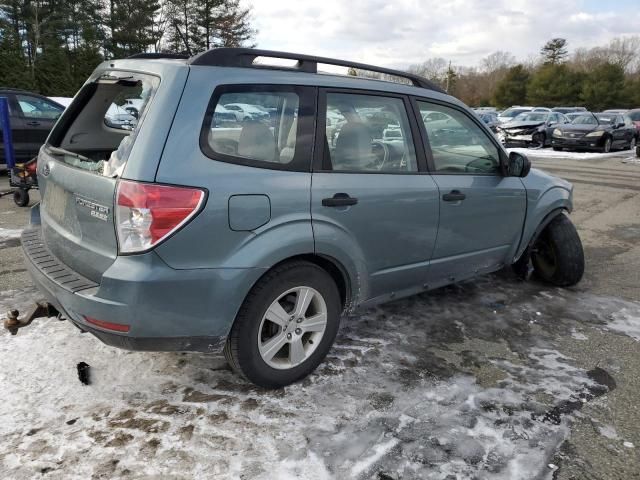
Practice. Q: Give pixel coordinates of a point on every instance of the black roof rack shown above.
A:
(244, 57)
(152, 56)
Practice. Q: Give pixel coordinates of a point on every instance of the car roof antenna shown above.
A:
(184, 40)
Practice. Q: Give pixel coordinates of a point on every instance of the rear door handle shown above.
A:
(339, 200)
(454, 196)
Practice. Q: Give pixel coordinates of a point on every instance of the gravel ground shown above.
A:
(493, 378)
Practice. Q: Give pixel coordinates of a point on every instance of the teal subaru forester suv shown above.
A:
(190, 227)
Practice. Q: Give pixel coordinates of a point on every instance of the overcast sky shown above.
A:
(397, 33)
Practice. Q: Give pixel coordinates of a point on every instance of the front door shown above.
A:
(368, 199)
(39, 116)
(481, 211)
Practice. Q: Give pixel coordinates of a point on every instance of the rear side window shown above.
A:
(259, 125)
(368, 133)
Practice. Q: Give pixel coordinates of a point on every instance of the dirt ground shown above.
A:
(493, 378)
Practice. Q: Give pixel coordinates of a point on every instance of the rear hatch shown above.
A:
(79, 167)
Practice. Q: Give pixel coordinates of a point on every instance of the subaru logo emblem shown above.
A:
(46, 170)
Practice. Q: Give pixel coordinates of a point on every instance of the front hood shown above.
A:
(581, 128)
(520, 125)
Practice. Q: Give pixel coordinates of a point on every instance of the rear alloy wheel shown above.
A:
(606, 148)
(286, 325)
(557, 254)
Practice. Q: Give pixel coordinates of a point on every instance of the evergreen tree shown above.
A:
(512, 89)
(553, 85)
(603, 87)
(554, 51)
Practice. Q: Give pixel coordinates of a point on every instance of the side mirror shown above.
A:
(620, 125)
(519, 165)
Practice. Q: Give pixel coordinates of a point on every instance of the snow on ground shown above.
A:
(464, 381)
(542, 153)
(9, 237)
(626, 322)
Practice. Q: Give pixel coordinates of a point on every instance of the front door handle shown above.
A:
(454, 196)
(339, 200)
(33, 123)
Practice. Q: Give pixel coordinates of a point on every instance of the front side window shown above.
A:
(37, 108)
(368, 133)
(458, 144)
(260, 126)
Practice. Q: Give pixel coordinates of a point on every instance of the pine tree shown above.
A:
(604, 87)
(553, 85)
(554, 51)
(512, 89)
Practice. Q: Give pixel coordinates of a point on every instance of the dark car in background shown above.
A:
(32, 116)
(530, 129)
(596, 131)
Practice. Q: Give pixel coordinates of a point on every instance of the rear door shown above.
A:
(369, 199)
(481, 212)
(38, 117)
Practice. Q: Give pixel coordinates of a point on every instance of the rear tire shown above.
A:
(557, 255)
(21, 197)
(300, 346)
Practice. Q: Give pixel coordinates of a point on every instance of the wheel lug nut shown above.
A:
(299, 320)
(288, 336)
(298, 331)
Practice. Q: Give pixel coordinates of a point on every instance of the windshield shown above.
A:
(606, 118)
(585, 119)
(532, 117)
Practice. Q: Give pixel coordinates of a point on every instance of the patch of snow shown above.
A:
(550, 153)
(9, 233)
(626, 322)
(628, 444)
(578, 335)
(608, 431)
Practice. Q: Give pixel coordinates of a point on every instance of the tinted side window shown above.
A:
(33, 107)
(260, 126)
(368, 133)
(458, 144)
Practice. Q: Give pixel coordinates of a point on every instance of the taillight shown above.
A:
(117, 327)
(147, 213)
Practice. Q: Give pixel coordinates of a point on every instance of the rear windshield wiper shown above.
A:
(67, 153)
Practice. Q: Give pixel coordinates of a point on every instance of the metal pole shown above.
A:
(5, 124)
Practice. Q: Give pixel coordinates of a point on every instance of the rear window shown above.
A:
(99, 128)
(259, 125)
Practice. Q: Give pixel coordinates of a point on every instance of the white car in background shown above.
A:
(64, 101)
(245, 112)
(511, 113)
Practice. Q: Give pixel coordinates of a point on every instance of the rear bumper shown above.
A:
(166, 309)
